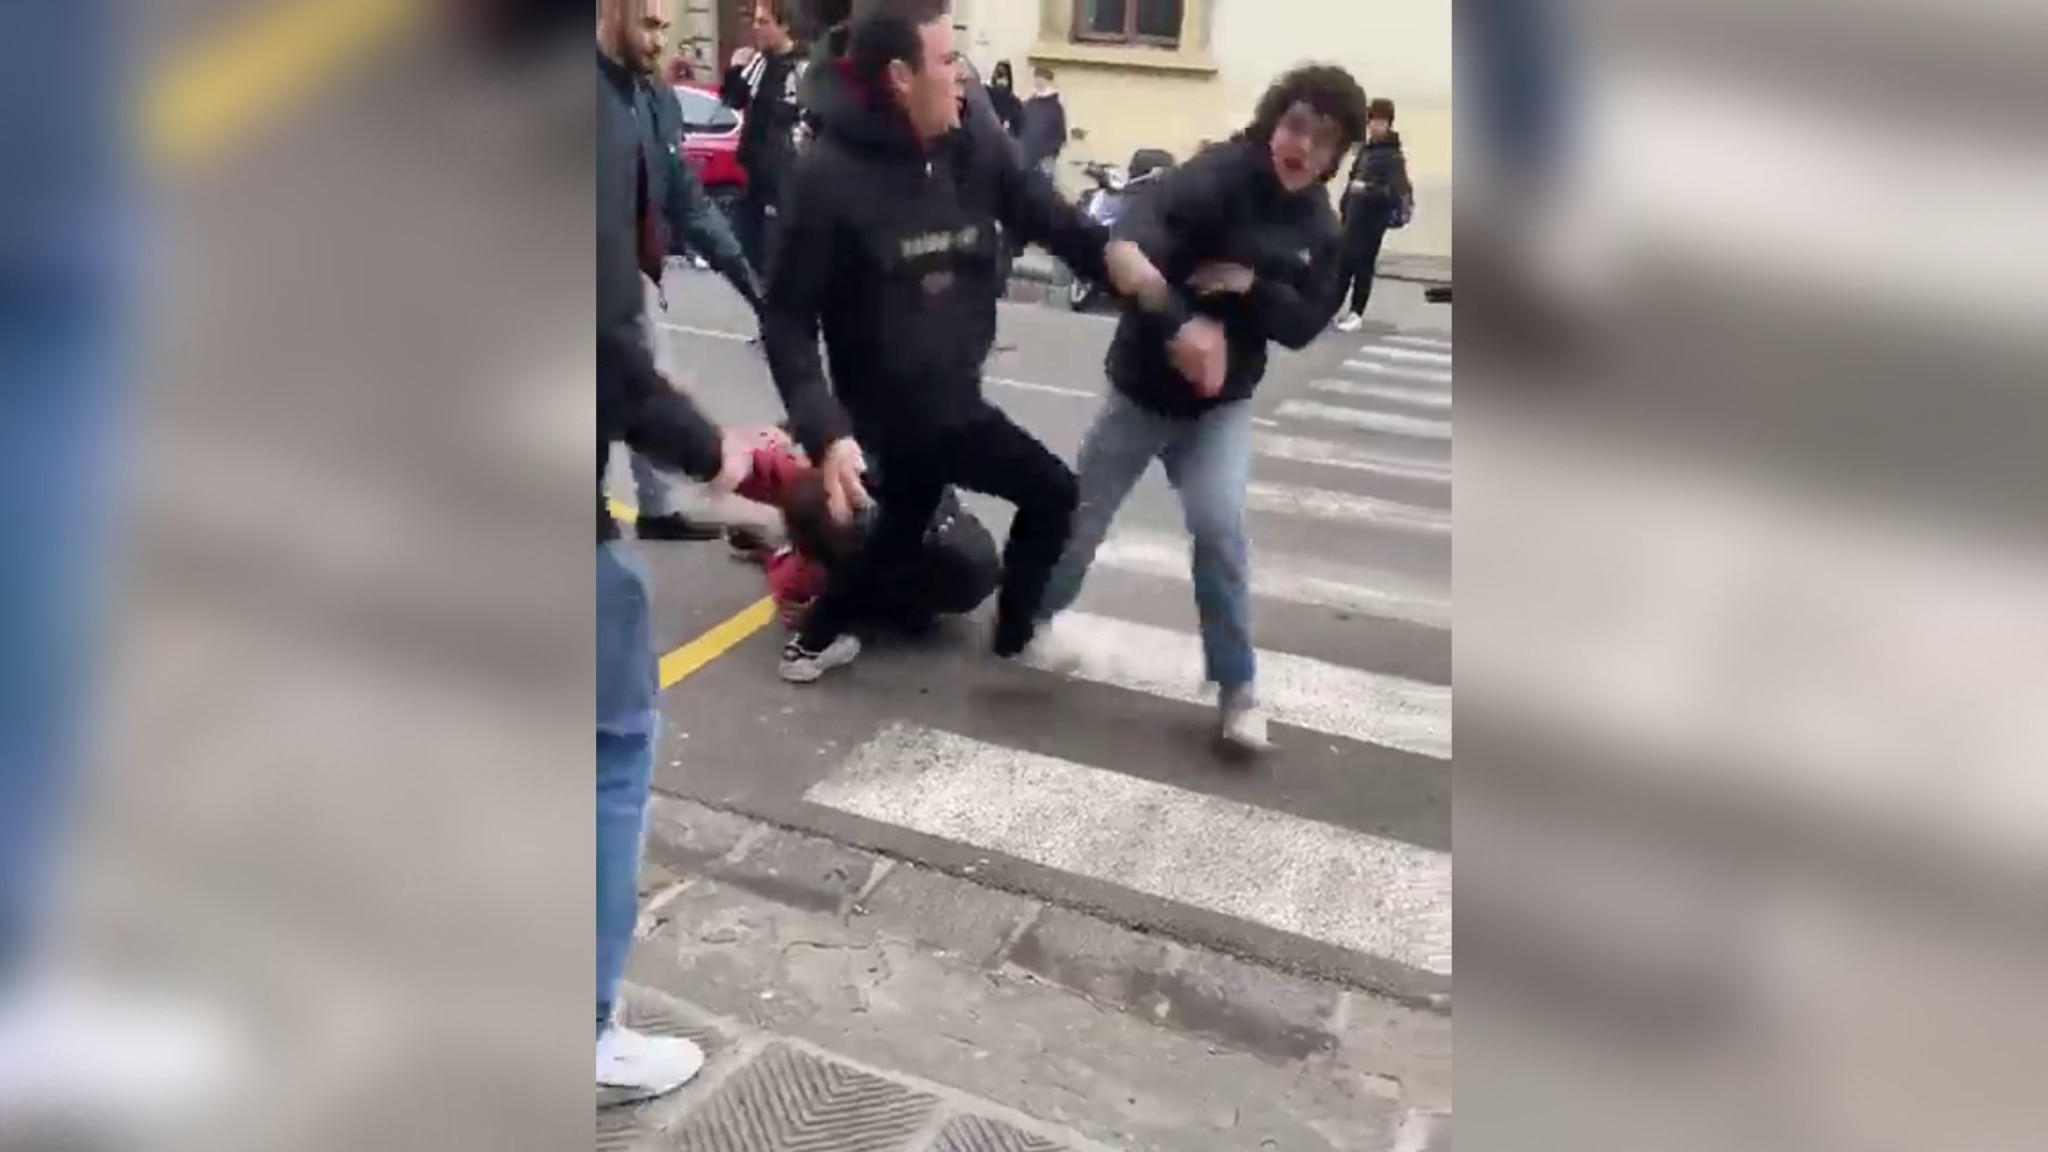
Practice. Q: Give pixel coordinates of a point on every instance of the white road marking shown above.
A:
(1049, 389)
(1294, 579)
(1332, 699)
(1399, 372)
(1420, 397)
(1262, 422)
(1322, 504)
(1304, 450)
(1314, 880)
(1368, 421)
(1429, 342)
(1406, 355)
(712, 333)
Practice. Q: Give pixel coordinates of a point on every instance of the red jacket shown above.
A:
(794, 580)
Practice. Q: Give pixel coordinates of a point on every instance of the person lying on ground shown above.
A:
(953, 574)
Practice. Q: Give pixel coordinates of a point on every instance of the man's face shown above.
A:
(931, 92)
(633, 32)
(1305, 146)
(1378, 129)
(769, 34)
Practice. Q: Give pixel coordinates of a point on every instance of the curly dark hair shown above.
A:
(1329, 90)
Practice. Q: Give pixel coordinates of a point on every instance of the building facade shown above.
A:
(1174, 73)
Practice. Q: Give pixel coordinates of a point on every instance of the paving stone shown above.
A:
(958, 917)
(790, 1101)
(1105, 962)
(687, 837)
(801, 871)
(1258, 1009)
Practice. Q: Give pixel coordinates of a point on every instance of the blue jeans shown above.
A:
(66, 233)
(628, 722)
(651, 496)
(1209, 461)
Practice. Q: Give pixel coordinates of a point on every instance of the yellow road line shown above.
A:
(679, 664)
(694, 655)
(223, 92)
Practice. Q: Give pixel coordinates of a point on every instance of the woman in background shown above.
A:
(1002, 95)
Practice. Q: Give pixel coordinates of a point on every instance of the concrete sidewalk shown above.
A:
(852, 1002)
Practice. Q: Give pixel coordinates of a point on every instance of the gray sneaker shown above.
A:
(800, 665)
(1243, 722)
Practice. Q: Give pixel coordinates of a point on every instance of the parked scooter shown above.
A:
(1114, 185)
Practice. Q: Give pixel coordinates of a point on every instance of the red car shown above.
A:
(711, 142)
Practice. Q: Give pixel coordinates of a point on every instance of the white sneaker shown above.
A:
(800, 665)
(94, 1063)
(1244, 723)
(653, 1065)
(1055, 647)
(1350, 322)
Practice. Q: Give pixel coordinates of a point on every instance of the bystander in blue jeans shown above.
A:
(58, 370)
(1208, 461)
(628, 722)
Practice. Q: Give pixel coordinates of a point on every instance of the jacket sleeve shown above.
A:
(1031, 209)
(733, 91)
(693, 220)
(800, 274)
(652, 417)
(1161, 218)
(1295, 314)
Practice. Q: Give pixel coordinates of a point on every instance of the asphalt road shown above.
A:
(1103, 792)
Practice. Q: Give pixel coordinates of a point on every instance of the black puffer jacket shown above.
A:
(889, 251)
(1227, 206)
(1379, 179)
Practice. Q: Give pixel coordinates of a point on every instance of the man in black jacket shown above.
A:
(765, 88)
(636, 406)
(890, 252)
(691, 220)
(1247, 229)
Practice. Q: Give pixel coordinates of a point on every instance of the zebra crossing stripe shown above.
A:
(1430, 342)
(1303, 450)
(1406, 355)
(1365, 420)
(1293, 579)
(1398, 372)
(1313, 880)
(1323, 504)
(1399, 394)
(1348, 703)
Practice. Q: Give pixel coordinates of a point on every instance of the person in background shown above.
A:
(764, 87)
(1002, 95)
(694, 224)
(1042, 124)
(891, 259)
(636, 406)
(1376, 198)
(680, 68)
(1247, 227)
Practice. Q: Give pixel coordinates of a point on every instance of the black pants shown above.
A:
(989, 454)
(753, 221)
(1363, 235)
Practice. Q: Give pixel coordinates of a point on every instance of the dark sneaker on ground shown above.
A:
(800, 665)
(674, 527)
(748, 543)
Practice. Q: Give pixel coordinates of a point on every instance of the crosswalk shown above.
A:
(1350, 515)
